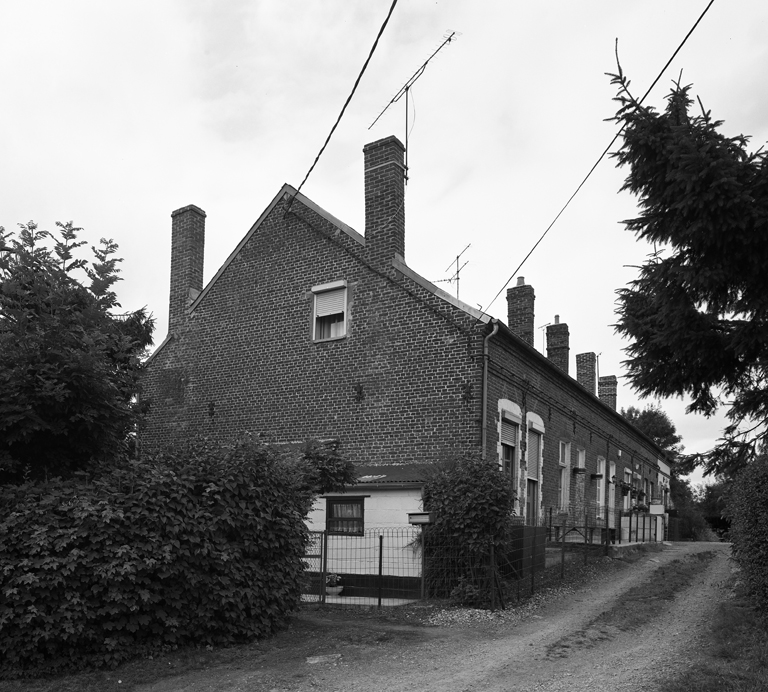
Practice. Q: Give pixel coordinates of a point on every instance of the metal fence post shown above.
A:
(324, 567)
(607, 528)
(381, 565)
(423, 562)
(562, 549)
(533, 559)
(586, 530)
(643, 527)
(492, 576)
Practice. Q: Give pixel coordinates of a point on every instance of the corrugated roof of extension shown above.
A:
(405, 475)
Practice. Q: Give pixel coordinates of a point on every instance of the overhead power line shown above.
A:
(602, 156)
(346, 103)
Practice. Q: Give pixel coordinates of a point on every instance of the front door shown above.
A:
(532, 504)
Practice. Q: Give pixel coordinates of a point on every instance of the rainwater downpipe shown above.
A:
(484, 417)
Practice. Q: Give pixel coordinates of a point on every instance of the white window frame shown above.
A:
(511, 413)
(341, 288)
(600, 488)
(581, 458)
(612, 493)
(628, 496)
(564, 461)
(534, 423)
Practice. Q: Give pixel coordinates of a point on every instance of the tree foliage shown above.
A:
(657, 425)
(747, 508)
(472, 500)
(68, 364)
(697, 315)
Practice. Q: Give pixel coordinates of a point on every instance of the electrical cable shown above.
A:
(346, 103)
(602, 156)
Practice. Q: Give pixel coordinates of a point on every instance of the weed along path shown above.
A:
(630, 628)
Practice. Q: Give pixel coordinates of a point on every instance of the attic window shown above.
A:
(329, 311)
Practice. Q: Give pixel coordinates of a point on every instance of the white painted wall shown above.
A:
(385, 507)
(385, 514)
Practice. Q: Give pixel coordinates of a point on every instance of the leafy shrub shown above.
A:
(472, 501)
(201, 546)
(748, 510)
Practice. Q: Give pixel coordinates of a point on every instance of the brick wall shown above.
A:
(570, 414)
(405, 382)
(404, 385)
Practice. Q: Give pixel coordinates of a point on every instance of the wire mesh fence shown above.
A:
(389, 566)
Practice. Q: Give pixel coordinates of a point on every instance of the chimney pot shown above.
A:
(521, 281)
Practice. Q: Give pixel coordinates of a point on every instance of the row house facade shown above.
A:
(312, 330)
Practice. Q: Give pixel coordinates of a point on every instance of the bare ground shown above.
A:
(609, 635)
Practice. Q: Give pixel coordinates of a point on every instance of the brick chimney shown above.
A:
(558, 347)
(586, 371)
(384, 200)
(187, 248)
(520, 301)
(606, 390)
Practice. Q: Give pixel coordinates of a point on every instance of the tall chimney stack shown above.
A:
(520, 300)
(187, 251)
(384, 200)
(606, 390)
(586, 371)
(558, 346)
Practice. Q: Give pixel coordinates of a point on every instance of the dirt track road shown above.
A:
(564, 646)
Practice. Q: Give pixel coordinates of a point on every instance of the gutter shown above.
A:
(484, 416)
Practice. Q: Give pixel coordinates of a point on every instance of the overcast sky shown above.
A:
(116, 113)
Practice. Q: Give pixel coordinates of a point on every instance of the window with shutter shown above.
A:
(509, 433)
(534, 452)
(330, 311)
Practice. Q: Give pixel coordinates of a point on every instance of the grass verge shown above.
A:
(735, 654)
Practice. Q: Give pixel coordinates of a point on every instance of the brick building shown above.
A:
(311, 330)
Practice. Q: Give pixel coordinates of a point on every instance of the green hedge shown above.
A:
(202, 547)
(748, 510)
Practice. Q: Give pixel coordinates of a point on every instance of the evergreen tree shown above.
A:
(697, 315)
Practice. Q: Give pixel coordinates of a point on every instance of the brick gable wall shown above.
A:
(403, 386)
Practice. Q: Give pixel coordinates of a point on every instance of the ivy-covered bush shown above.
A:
(748, 512)
(472, 502)
(203, 546)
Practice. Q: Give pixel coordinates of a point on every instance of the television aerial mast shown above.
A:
(457, 273)
(405, 89)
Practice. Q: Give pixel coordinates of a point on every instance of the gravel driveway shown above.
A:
(574, 641)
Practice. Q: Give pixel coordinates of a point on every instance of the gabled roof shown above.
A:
(286, 191)
(289, 191)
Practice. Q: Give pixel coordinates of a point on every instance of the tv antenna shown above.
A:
(457, 273)
(405, 89)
